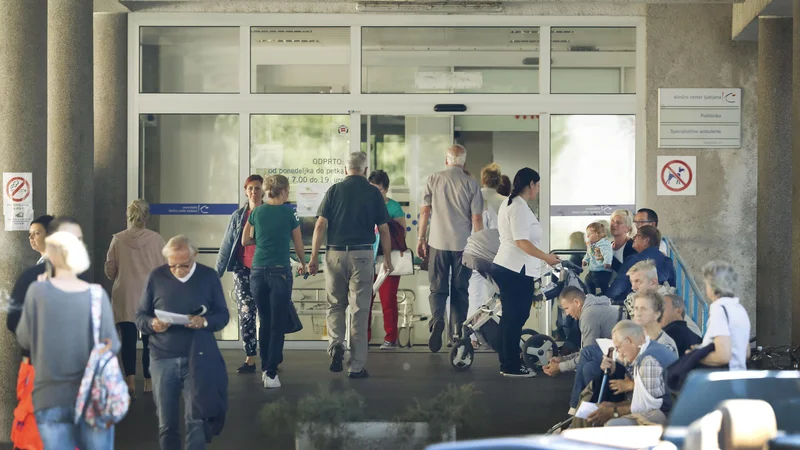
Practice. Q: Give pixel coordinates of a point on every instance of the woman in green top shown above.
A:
(388, 290)
(271, 227)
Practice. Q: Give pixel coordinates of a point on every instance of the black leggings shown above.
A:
(129, 335)
(516, 297)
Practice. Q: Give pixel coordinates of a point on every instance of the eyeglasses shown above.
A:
(642, 222)
(180, 266)
(616, 347)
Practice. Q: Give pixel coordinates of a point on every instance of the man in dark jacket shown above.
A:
(186, 289)
(646, 243)
(674, 324)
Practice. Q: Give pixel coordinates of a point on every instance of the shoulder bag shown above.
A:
(678, 371)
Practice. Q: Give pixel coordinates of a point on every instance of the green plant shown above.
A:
(453, 408)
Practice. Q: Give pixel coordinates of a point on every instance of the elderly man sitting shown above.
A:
(675, 323)
(646, 243)
(643, 277)
(645, 362)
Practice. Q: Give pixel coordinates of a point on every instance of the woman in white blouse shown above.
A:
(728, 326)
(517, 265)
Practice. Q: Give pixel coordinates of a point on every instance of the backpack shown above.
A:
(103, 397)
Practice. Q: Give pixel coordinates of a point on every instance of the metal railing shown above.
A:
(687, 288)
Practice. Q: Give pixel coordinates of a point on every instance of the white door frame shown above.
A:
(356, 103)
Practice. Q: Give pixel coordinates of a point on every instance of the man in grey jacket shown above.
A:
(596, 316)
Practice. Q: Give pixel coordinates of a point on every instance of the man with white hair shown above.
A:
(453, 206)
(193, 290)
(350, 211)
(645, 362)
(644, 279)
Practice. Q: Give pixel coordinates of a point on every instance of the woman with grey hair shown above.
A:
(132, 255)
(728, 326)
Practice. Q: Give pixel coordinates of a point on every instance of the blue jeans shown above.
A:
(272, 291)
(58, 431)
(170, 380)
(588, 370)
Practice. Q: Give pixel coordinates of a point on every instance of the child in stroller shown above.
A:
(484, 324)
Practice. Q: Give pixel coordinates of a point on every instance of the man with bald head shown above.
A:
(453, 206)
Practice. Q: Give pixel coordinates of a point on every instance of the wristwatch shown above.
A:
(616, 413)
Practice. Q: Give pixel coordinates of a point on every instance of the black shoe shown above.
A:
(247, 368)
(362, 374)
(435, 341)
(337, 358)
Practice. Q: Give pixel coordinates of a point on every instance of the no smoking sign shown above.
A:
(18, 189)
(676, 175)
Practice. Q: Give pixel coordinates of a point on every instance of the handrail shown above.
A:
(687, 287)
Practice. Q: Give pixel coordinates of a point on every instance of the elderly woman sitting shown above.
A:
(645, 362)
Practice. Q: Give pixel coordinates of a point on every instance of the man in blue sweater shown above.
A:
(187, 288)
(646, 243)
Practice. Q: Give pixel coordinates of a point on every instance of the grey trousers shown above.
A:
(442, 264)
(348, 281)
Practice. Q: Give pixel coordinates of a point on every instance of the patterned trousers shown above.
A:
(248, 311)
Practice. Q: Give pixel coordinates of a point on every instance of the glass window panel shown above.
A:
(593, 60)
(192, 159)
(592, 171)
(305, 60)
(189, 60)
(450, 60)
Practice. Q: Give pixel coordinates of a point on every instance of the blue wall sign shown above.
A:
(192, 209)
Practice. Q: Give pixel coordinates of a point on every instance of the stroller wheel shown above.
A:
(527, 333)
(538, 351)
(462, 355)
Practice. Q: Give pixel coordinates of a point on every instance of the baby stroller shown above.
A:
(540, 348)
(484, 324)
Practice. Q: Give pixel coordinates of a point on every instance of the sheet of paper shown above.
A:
(171, 318)
(605, 344)
(379, 281)
(585, 410)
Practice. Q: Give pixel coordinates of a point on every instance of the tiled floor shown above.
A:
(505, 407)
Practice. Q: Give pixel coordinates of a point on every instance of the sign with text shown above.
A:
(17, 200)
(587, 210)
(192, 209)
(700, 118)
(677, 175)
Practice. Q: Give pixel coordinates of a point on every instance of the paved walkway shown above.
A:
(505, 407)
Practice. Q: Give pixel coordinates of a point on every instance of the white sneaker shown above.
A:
(271, 383)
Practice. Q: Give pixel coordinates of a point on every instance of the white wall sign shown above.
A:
(700, 118)
(676, 175)
(17, 200)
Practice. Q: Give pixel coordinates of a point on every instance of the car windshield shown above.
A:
(703, 393)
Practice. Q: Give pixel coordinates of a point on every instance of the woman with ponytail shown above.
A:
(516, 267)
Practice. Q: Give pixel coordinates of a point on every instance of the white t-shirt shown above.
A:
(619, 253)
(517, 222)
(736, 325)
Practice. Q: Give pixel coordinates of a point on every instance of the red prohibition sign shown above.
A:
(683, 179)
(13, 190)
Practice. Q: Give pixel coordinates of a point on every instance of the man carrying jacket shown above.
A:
(596, 317)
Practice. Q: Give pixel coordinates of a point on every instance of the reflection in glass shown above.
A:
(450, 60)
(192, 159)
(189, 60)
(307, 60)
(593, 60)
(592, 162)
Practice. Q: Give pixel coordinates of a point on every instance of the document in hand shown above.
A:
(379, 281)
(585, 410)
(171, 318)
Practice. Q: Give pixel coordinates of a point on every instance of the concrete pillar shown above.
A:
(774, 308)
(795, 181)
(23, 148)
(70, 136)
(110, 132)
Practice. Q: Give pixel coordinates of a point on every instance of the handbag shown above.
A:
(294, 324)
(103, 397)
(24, 432)
(678, 371)
(403, 264)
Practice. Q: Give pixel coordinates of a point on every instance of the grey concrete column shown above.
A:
(23, 148)
(110, 132)
(774, 308)
(70, 133)
(795, 181)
